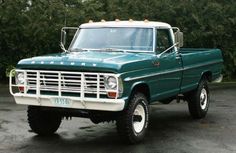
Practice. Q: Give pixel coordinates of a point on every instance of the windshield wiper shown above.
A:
(85, 49)
(79, 50)
(105, 50)
(112, 50)
(100, 50)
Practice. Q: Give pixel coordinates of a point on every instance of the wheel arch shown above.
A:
(141, 87)
(207, 74)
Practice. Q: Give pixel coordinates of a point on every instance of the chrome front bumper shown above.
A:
(74, 102)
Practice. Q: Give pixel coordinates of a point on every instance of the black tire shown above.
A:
(43, 122)
(125, 120)
(198, 100)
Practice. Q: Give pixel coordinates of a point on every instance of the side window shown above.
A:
(163, 40)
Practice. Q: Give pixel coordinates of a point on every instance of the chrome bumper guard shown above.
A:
(61, 82)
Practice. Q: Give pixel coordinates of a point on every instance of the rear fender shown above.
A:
(207, 74)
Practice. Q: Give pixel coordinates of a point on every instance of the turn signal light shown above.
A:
(111, 94)
(21, 88)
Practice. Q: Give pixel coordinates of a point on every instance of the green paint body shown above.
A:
(166, 76)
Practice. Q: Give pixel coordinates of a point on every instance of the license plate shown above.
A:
(62, 102)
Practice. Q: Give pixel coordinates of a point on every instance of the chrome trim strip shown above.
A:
(200, 65)
(171, 71)
(152, 75)
(154, 40)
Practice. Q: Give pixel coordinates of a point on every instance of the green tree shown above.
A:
(32, 27)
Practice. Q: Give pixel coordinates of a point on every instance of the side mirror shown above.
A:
(63, 36)
(179, 38)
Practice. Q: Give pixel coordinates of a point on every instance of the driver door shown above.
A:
(170, 65)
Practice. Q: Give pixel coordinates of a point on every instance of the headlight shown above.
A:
(110, 82)
(20, 79)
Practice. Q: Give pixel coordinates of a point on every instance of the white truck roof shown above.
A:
(142, 24)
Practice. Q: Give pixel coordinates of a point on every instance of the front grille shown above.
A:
(62, 82)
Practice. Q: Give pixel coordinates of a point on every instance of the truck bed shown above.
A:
(197, 61)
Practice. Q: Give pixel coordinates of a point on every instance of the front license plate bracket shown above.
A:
(62, 102)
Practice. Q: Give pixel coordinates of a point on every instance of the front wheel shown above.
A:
(43, 122)
(133, 122)
(198, 100)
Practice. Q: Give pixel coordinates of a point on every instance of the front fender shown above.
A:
(130, 87)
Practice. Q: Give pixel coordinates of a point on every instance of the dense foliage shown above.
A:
(32, 27)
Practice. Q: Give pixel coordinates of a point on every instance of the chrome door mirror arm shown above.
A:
(177, 51)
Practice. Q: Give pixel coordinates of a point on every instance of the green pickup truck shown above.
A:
(113, 71)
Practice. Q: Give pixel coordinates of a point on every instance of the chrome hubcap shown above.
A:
(138, 118)
(203, 99)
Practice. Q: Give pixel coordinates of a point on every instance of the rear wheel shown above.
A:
(43, 122)
(198, 100)
(133, 122)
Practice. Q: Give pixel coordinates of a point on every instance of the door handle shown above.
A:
(177, 57)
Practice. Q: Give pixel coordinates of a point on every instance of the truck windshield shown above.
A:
(114, 39)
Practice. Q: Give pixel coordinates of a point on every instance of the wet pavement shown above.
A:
(171, 129)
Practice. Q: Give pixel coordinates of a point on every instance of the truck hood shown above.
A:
(116, 62)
